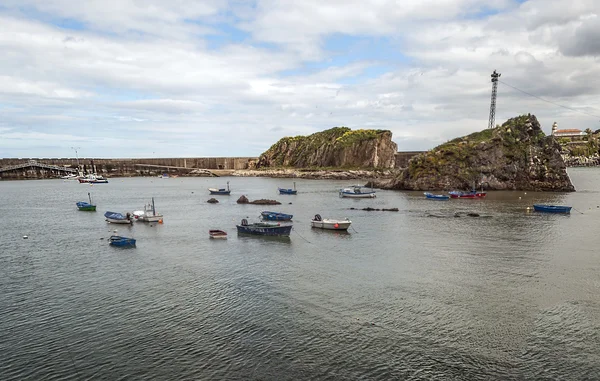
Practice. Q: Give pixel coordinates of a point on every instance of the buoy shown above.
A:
(25, 237)
(160, 221)
(336, 225)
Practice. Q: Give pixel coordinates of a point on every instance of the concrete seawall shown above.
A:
(128, 167)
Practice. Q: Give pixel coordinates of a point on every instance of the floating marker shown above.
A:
(25, 237)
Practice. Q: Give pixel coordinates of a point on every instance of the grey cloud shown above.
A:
(585, 41)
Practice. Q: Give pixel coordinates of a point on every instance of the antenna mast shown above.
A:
(495, 77)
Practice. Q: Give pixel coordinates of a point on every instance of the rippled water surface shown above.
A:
(414, 294)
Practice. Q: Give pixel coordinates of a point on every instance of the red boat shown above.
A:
(471, 194)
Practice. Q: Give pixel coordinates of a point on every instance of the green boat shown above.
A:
(86, 206)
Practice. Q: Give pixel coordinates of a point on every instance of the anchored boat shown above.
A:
(93, 179)
(118, 218)
(357, 192)
(117, 240)
(217, 234)
(148, 214)
(470, 194)
(86, 206)
(439, 197)
(264, 228)
(288, 191)
(274, 216)
(221, 191)
(330, 224)
(552, 208)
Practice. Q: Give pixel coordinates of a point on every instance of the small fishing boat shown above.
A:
(274, 216)
(357, 192)
(264, 228)
(440, 197)
(552, 208)
(217, 234)
(70, 176)
(93, 179)
(163, 176)
(148, 214)
(117, 240)
(221, 191)
(118, 218)
(470, 194)
(330, 224)
(86, 206)
(288, 191)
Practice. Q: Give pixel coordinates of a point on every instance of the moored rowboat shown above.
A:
(264, 228)
(330, 224)
(552, 208)
(217, 234)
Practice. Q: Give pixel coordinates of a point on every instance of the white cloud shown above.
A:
(169, 72)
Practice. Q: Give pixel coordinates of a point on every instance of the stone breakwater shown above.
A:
(317, 174)
(582, 161)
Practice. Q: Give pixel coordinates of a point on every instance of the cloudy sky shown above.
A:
(157, 78)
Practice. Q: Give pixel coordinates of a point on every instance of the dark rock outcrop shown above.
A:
(515, 156)
(244, 200)
(337, 147)
(213, 201)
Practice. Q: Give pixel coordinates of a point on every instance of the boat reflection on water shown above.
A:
(344, 234)
(266, 238)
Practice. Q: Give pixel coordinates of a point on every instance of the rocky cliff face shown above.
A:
(337, 147)
(515, 156)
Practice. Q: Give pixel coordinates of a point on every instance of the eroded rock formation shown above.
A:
(338, 147)
(515, 156)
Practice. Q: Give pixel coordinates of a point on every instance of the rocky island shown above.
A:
(514, 156)
(336, 153)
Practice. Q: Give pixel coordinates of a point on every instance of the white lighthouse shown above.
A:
(554, 128)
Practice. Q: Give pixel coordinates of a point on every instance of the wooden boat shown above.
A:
(118, 218)
(440, 197)
(470, 194)
(217, 234)
(149, 214)
(357, 192)
(86, 206)
(221, 191)
(117, 240)
(274, 216)
(93, 179)
(288, 191)
(330, 224)
(552, 208)
(264, 228)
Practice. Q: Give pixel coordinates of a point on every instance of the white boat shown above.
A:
(356, 192)
(330, 224)
(118, 218)
(70, 176)
(149, 214)
(93, 179)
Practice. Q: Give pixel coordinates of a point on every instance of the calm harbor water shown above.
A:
(414, 294)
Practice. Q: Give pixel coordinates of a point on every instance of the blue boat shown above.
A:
(118, 218)
(440, 197)
(86, 206)
(274, 216)
(117, 240)
(288, 191)
(263, 228)
(221, 191)
(552, 208)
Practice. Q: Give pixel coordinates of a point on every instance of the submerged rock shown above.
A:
(514, 156)
(265, 202)
(213, 201)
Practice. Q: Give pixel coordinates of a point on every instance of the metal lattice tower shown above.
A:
(495, 77)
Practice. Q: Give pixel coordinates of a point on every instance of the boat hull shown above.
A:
(552, 209)
(123, 222)
(86, 207)
(218, 192)
(217, 234)
(274, 216)
(469, 195)
(150, 218)
(357, 195)
(119, 241)
(266, 231)
(438, 197)
(287, 191)
(331, 224)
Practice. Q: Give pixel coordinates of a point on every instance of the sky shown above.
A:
(152, 78)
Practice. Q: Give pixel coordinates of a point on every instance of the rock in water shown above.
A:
(213, 201)
(336, 147)
(243, 200)
(515, 156)
(265, 202)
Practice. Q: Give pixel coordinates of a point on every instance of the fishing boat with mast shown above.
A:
(288, 191)
(148, 214)
(220, 191)
(357, 191)
(86, 206)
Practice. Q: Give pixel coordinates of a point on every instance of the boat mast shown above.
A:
(76, 156)
(90, 198)
(228, 186)
(294, 185)
(153, 210)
